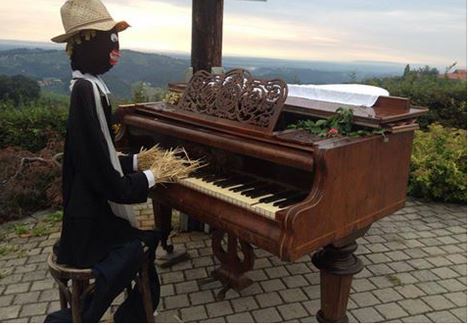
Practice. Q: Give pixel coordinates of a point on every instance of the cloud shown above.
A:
(420, 31)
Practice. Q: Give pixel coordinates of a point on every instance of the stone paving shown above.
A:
(415, 271)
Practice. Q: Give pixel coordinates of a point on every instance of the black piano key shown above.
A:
(232, 181)
(277, 196)
(200, 173)
(249, 185)
(265, 194)
(250, 191)
(290, 200)
(259, 191)
(223, 180)
(212, 177)
(204, 173)
(243, 186)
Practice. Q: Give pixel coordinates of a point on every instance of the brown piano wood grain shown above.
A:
(356, 182)
(252, 228)
(233, 99)
(393, 104)
(165, 111)
(351, 190)
(290, 157)
(386, 110)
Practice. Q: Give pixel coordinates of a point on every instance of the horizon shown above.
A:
(28, 44)
(421, 32)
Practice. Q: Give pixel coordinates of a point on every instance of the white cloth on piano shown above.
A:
(348, 94)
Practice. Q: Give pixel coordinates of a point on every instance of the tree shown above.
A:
(448, 68)
(445, 98)
(19, 89)
(296, 80)
(406, 71)
(138, 93)
(353, 76)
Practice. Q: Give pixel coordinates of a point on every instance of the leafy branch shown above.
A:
(339, 124)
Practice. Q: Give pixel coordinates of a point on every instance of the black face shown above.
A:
(97, 55)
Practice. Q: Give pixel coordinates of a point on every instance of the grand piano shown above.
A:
(267, 185)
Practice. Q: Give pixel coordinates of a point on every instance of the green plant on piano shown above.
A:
(337, 125)
(172, 97)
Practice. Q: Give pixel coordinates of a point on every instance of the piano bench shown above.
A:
(74, 293)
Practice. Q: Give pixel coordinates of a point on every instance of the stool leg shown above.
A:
(62, 297)
(75, 303)
(145, 291)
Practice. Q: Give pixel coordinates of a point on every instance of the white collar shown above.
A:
(76, 74)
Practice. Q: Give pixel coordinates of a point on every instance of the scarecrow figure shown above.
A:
(98, 186)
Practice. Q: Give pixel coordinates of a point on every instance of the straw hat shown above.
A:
(78, 15)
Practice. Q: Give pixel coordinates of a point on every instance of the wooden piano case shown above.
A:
(239, 123)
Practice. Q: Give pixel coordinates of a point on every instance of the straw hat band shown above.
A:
(80, 26)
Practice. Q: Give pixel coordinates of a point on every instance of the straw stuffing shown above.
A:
(168, 165)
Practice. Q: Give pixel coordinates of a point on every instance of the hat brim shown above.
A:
(101, 26)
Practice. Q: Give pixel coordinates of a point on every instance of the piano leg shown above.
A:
(337, 264)
(163, 222)
(232, 269)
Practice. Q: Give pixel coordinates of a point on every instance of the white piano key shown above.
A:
(265, 209)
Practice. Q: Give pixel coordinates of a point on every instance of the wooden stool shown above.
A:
(80, 286)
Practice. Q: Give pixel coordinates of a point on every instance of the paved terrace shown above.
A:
(415, 272)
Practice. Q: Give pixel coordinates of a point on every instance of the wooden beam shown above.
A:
(206, 39)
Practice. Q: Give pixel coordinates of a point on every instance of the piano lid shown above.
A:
(387, 109)
(238, 101)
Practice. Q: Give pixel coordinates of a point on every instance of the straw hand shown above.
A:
(172, 165)
(146, 157)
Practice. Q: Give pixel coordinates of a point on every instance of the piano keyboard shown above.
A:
(259, 195)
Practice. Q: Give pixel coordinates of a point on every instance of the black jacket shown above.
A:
(90, 229)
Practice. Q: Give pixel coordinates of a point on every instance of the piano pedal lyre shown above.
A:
(233, 267)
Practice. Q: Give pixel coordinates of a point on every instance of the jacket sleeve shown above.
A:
(92, 158)
(126, 162)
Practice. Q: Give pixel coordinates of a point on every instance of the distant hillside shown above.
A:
(51, 68)
(304, 76)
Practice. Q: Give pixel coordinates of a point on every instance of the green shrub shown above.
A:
(438, 164)
(29, 127)
(445, 98)
(19, 89)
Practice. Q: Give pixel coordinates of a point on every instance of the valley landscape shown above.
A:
(49, 65)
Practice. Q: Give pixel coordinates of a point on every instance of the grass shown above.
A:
(55, 217)
(394, 279)
(3, 274)
(21, 229)
(45, 227)
(42, 228)
(6, 249)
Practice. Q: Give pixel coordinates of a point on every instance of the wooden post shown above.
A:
(206, 38)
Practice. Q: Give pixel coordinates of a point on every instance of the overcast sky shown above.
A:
(406, 31)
